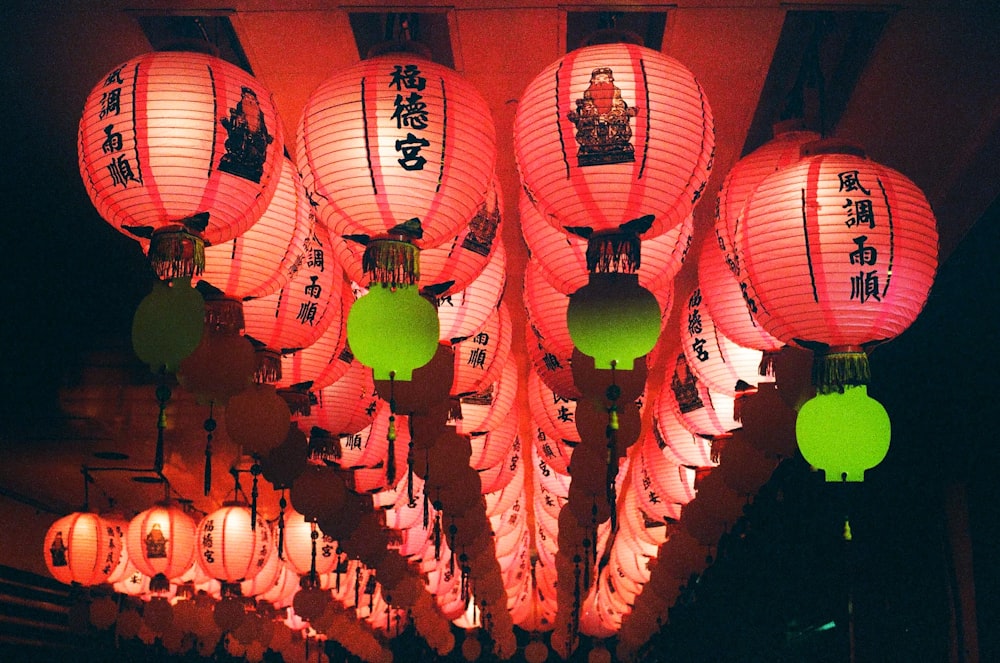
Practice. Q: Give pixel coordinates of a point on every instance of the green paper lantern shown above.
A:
(392, 330)
(168, 324)
(613, 319)
(843, 434)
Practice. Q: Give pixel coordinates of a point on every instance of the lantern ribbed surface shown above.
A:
(298, 314)
(555, 417)
(368, 447)
(613, 132)
(678, 444)
(392, 138)
(492, 446)
(299, 546)
(837, 249)
(259, 261)
(741, 180)
(169, 135)
(230, 548)
(562, 257)
(461, 314)
(480, 358)
(491, 407)
(161, 540)
(546, 308)
(266, 578)
(556, 371)
(346, 406)
(327, 359)
(81, 548)
(718, 362)
(720, 288)
(659, 482)
(700, 410)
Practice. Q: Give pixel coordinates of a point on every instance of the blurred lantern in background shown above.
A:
(178, 150)
(82, 549)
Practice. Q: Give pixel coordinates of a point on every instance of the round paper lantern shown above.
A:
(393, 330)
(546, 308)
(836, 252)
(324, 361)
(299, 538)
(262, 259)
(346, 406)
(180, 149)
(782, 150)
(613, 319)
(700, 410)
(491, 407)
(613, 133)
(220, 367)
(720, 289)
(81, 548)
(463, 313)
(678, 444)
(555, 371)
(843, 434)
(492, 446)
(168, 324)
(562, 258)
(392, 138)
(555, 417)
(298, 314)
(161, 540)
(318, 491)
(719, 363)
(231, 547)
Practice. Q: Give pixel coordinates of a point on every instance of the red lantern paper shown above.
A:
(81, 548)
(480, 358)
(231, 547)
(463, 313)
(491, 447)
(720, 288)
(699, 409)
(719, 363)
(546, 308)
(554, 415)
(184, 143)
(161, 540)
(836, 250)
(261, 260)
(611, 133)
(678, 444)
(346, 406)
(327, 359)
(299, 313)
(392, 138)
(556, 371)
(491, 407)
(299, 543)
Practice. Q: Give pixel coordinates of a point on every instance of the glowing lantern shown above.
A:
(231, 547)
(555, 418)
(491, 447)
(491, 407)
(81, 548)
(299, 313)
(346, 406)
(326, 360)
(678, 444)
(562, 258)
(556, 371)
(372, 161)
(263, 258)
(480, 358)
(843, 434)
(161, 540)
(610, 134)
(836, 252)
(180, 149)
(546, 309)
(726, 306)
(304, 549)
(719, 363)
(699, 409)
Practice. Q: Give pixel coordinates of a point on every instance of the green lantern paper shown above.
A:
(168, 324)
(613, 319)
(843, 434)
(392, 330)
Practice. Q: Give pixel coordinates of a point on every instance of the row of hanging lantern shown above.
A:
(396, 185)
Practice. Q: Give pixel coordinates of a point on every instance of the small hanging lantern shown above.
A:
(230, 547)
(161, 540)
(178, 150)
(81, 549)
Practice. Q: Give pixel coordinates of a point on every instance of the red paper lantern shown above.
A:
(701, 410)
(492, 446)
(463, 313)
(257, 419)
(662, 487)
(261, 260)
(82, 549)
(726, 306)
(327, 359)
(836, 252)
(491, 407)
(678, 444)
(299, 543)
(562, 257)
(392, 138)
(546, 308)
(231, 547)
(556, 371)
(346, 406)
(612, 133)
(161, 540)
(719, 363)
(299, 313)
(480, 358)
(555, 417)
(180, 148)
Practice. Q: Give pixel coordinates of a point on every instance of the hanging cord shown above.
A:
(282, 504)
(390, 461)
(209, 426)
(409, 468)
(255, 471)
(162, 398)
(613, 393)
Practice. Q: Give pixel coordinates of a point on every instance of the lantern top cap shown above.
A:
(399, 46)
(612, 36)
(189, 45)
(832, 146)
(791, 125)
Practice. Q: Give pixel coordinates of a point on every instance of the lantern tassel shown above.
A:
(839, 368)
(390, 461)
(268, 366)
(176, 253)
(391, 262)
(222, 314)
(282, 503)
(254, 493)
